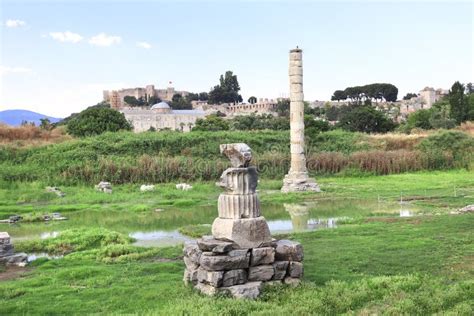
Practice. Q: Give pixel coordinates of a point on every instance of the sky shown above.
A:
(56, 57)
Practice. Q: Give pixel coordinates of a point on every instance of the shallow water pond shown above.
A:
(161, 228)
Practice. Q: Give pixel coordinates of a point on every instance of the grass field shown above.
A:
(375, 263)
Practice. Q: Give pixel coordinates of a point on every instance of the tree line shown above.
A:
(375, 91)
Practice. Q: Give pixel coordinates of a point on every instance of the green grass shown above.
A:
(406, 266)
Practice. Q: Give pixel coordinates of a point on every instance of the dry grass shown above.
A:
(467, 127)
(29, 135)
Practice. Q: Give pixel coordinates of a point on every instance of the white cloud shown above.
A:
(144, 45)
(66, 37)
(5, 70)
(104, 40)
(15, 23)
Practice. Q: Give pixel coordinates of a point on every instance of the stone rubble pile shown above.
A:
(7, 252)
(56, 191)
(241, 255)
(215, 266)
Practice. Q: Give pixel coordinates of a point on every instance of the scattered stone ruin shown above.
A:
(240, 256)
(7, 252)
(297, 178)
(105, 187)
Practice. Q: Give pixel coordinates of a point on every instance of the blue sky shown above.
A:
(58, 56)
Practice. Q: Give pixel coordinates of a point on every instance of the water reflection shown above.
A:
(35, 256)
(158, 238)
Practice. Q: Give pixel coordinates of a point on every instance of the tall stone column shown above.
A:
(297, 178)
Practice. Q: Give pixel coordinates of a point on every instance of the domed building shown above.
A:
(161, 116)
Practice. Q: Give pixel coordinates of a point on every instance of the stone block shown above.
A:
(295, 71)
(292, 281)
(239, 180)
(234, 277)
(190, 276)
(250, 290)
(239, 154)
(246, 232)
(261, 273)
(192, 251)
(4, 238)
(287, 250)
(207, 289)
(233, 260)
(190, 264)
(280, 268)
(213, 278)
(265, 255)
(296, 269)
(19, 259)
(208, 243)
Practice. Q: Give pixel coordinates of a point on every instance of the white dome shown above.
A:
(161, 105)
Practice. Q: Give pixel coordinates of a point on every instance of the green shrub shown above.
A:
(96, 120)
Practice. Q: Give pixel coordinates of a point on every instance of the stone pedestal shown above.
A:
(297, 179)
(241, 255)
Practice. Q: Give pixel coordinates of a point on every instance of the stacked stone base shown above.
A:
(7, 252)
(299, 182)
(216, 266)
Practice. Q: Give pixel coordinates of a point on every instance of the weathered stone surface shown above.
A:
(233, 260)
(192, 251)
(213, 278)
(287, 250)
(250, 290)
(209, 243)
(261, 273)
(147, 187)
(234, 277)
(467, 209)
(296, 269)
(239, 154)
(190, 264)
(190, 276)
(238, 206)
(265, 255)
(56, 191)
(105, 187)
(207, 289)
(19, 259)
(4, 238)
(292, 281)
(246, 233)
(280, 268)
(184, 186)
(239, 180)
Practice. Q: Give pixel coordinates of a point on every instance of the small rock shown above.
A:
(55, 190)
(184, 186)
(261, 273)
(292, 281)
(234, 277)
(250, 290)
(147, 187)
(467, 209)
(105, 187)
(265, 255)
(159, 209)
(207, 289)
(287, 250)
(296, 269)
(280, 268)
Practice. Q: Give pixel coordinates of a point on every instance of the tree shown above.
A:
(459, 103)
(46, 124)
(419, 119)
(153, 100)
(203, 96)
(252, 100)
(409, 95)
(180, 103)
(338, 95)
(95, 120)
(227, 91)
(366, 119)
(211, 123)
(469, 88)
(132, 101)
(283, 107)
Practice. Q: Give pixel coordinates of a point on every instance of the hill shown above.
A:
(16, 117)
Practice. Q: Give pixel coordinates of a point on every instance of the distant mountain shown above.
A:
(16, 117)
